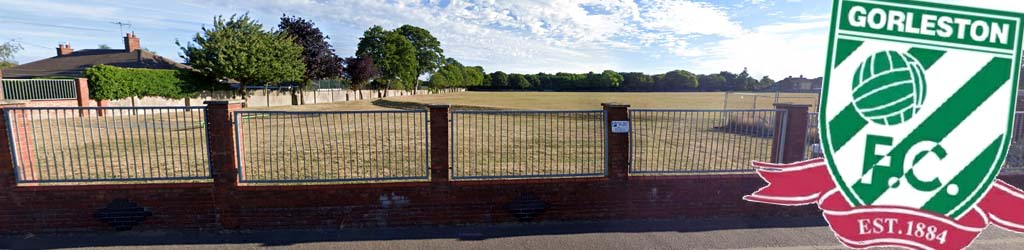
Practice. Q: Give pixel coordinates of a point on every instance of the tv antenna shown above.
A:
(122, 25)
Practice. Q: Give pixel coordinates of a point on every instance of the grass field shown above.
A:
(334, 147)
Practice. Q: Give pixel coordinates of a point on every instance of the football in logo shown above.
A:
(889, 87)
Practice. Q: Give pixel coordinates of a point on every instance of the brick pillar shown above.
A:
(82, 90)
(439, 144)
(22, 140)
(223, 158)
(791, 141)
(1, 85)
(618, 143)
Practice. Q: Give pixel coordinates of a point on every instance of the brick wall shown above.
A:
(226, 204)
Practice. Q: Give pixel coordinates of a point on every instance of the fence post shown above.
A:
(790, 133)
(617, 144)
(439, 151)
(8, 176)
(223, 158)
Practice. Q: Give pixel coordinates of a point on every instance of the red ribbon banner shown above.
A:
(808, 182)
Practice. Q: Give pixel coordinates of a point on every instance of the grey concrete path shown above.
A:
(737, 233)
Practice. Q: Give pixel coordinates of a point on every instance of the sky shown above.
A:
(778, 38)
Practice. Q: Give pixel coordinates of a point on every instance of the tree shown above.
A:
(765, 82)
(393, 54)
(317, 54)
(360, 70)
(429, 55)
(611, 79)
(518, 81)
(474, 76)
(712, 82)
(238, 48)
(451, 74)
(103, 46)
(7, 51)
(454, 74)
(677, 80)
(499, 80)
(637, 81)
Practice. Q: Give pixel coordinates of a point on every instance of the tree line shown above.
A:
(608, 80)
(238, 48)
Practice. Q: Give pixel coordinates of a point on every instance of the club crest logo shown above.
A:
(916, 117)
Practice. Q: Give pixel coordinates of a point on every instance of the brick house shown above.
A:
(800, 84)
(69, 63)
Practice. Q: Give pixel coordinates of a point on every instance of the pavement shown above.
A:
(722, 233)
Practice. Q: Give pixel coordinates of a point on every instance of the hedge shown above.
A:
(112, 83)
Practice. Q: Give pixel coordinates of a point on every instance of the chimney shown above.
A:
(131, 42)
(64, 49)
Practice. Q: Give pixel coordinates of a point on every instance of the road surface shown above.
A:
(735, 233)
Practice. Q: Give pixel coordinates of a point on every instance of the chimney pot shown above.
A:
(131, 42)
(64, 49)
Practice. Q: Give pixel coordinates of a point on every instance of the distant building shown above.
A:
(69, 63)
(799, 84)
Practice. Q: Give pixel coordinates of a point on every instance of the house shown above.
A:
(69, 63)
(799, 84)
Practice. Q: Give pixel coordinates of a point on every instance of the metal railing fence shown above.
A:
(39, 89)
(109, 144)
(700, 141)
(317, 147)
(1015, 154)
(527, 144)
(812, 143)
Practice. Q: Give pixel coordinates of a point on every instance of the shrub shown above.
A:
(111, 83)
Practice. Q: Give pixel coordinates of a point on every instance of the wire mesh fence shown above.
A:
(527, 144)
(61, 145)
(39, 89)
(700, 141)
(318, 147)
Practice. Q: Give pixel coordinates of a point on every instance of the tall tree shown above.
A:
(499, 80)
(764, 83)
(360, 70)
(677, 80)
(317, 53)
(429, 55)
(393, 54)
(712, 82)
(7, 51)
(518, 81)
(451, 74)
(238, 48)
(474, 76)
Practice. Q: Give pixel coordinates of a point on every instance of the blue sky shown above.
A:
(778, 38)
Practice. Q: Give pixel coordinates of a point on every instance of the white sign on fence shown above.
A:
(620, 127)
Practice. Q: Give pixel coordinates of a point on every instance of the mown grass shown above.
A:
(334, 147)
(67, 146)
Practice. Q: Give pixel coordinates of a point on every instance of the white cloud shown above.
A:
(780, 49)
(687, 17)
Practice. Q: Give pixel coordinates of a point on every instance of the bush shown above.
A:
(112, 83)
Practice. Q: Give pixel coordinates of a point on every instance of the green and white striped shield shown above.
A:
(918, 102)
